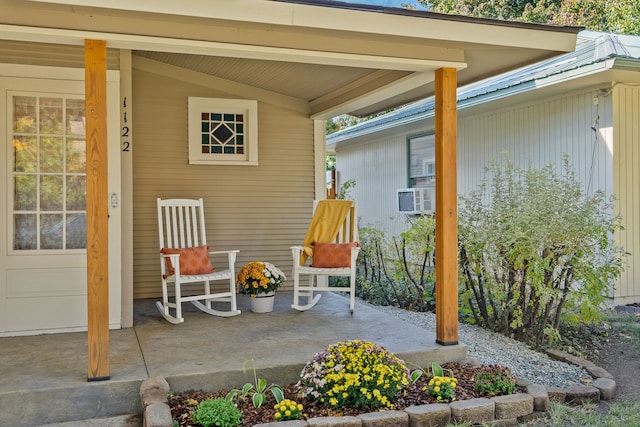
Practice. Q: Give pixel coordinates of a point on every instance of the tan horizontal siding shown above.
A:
(260, 210)
(53, 55)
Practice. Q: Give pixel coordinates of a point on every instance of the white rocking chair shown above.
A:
(332, 245)
(184, 259)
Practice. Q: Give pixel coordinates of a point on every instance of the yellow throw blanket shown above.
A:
(325, 224)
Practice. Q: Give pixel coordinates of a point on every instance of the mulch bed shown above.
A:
(182, 404)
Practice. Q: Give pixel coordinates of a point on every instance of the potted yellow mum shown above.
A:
(260, 280)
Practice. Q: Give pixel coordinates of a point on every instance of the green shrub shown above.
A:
(354, 373)
(495, 380)
(217, 412)
(401, 271)
(535, 250)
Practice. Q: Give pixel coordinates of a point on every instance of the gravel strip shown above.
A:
(494, 349)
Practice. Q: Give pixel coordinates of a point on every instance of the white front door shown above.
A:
(43, 286)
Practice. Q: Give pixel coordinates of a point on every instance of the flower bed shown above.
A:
(181, 404)
(416, 405)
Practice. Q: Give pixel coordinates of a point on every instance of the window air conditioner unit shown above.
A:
(416, 200)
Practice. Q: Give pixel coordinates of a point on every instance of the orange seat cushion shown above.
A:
(192, 260)
(332, 255)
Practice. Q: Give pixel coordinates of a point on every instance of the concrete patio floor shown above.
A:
(43, 378)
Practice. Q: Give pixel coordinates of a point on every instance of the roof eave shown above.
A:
(627, 64)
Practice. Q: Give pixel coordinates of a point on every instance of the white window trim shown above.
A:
(249, 108)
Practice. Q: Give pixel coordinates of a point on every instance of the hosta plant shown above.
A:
(258, 390)
(354, 373)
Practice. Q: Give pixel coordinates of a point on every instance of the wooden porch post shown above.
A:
(95, 53)
(446, 208)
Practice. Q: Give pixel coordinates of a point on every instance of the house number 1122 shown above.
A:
(126, 145)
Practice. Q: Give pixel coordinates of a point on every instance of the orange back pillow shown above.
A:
(192, 260)
(332, 255)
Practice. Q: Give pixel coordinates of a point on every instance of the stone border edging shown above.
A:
(627, 309)
(506, 410)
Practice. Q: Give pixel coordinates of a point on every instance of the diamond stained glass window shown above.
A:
(222, 133)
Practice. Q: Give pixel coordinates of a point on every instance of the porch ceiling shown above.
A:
(326, 57)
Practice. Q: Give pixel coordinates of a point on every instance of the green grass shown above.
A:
(620, 414)
(626, 326)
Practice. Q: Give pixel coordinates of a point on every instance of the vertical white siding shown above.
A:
(261, 210)
(379, 169)
(626, 107)
(538, 134)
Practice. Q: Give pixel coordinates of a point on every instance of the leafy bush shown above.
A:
(217, 412)
(399, 272)
(495, 380)
(287, 410)
(354, 373)
(532, 246)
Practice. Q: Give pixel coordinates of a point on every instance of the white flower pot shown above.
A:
(263, 303)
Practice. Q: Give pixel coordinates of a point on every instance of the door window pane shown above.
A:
(76, 193)
(25, 157)
(51, 193)
(51, 231)
(51, 116)
(75, 120)
(51, 154)
(76, 225)
(24, 114)
(76, 155)
(24, 194)
(25, 237)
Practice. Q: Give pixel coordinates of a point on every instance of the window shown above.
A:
(48, 172)
(422, 161)
(223, 131)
